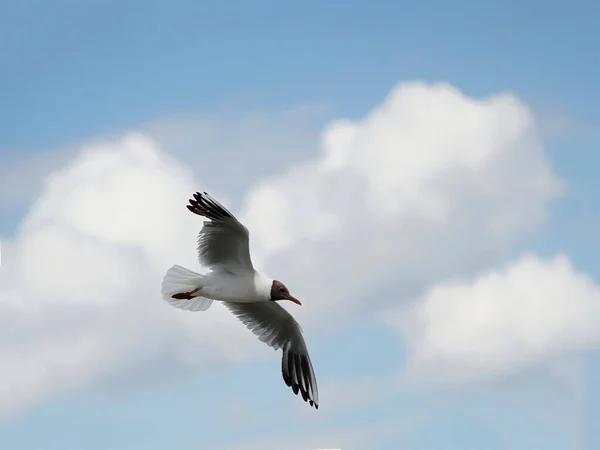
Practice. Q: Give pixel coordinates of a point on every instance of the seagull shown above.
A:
(223, 247)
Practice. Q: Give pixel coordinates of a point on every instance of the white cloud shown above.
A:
(79, 285)
(503, 321)
(429, 184)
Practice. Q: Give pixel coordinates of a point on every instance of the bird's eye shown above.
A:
(282, 289)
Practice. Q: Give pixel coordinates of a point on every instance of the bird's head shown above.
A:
(280, 292)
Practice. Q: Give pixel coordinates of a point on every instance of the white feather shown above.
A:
(178, 280)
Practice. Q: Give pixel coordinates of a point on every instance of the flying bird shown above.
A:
(223, 247)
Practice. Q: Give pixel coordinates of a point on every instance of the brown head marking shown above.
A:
(280, 292)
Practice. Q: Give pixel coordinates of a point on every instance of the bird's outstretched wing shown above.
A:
(277, 328)
(223, 240)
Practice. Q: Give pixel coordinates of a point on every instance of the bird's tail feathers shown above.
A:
(181, 289)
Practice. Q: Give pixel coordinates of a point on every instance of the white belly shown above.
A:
(240, 288)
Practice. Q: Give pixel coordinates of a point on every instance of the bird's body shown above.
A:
(237, 287)
(223, 246)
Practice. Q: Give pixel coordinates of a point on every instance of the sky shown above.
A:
(421, 176)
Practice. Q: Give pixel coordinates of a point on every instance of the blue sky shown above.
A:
(76, 72)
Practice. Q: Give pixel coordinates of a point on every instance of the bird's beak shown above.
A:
(293, 299)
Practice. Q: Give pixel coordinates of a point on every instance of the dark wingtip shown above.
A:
(194, 205)
(204, 205)
(291, 363)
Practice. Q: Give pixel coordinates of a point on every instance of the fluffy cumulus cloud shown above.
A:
(79, 285)
(503, 320)
(430, 184)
